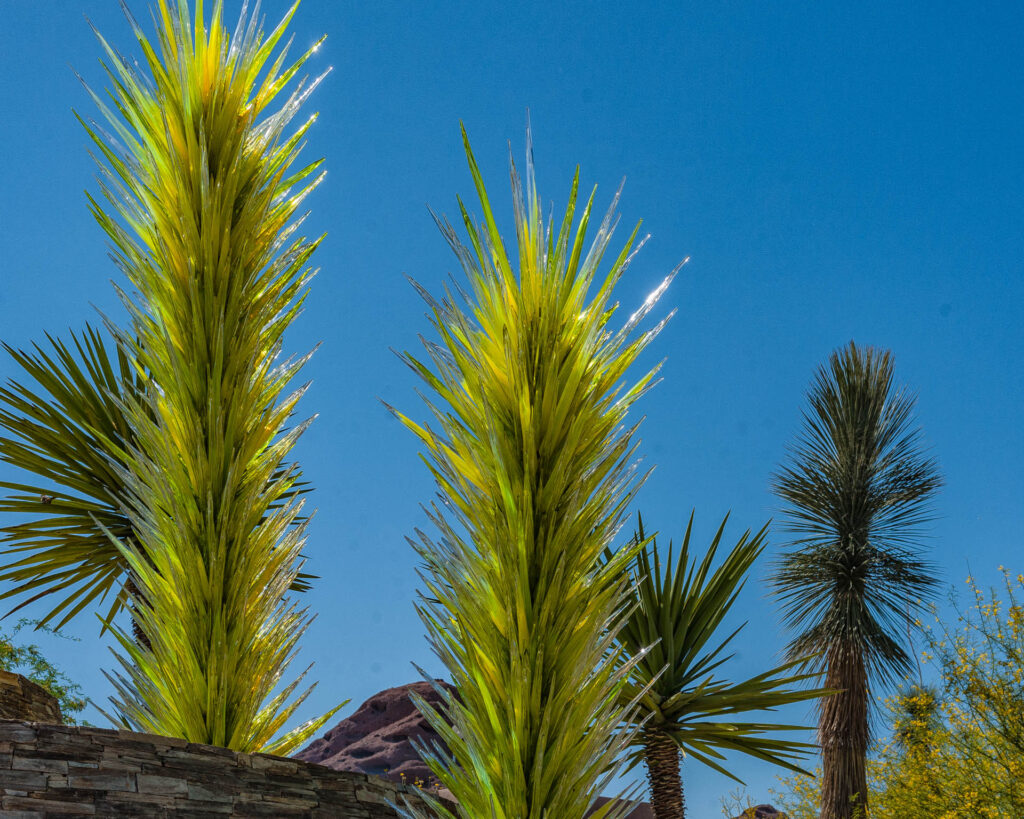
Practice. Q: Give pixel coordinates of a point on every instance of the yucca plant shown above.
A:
(58, 430)
(856, 488)
(687, 704)
(535, 469)
(201, 192)
(60, 424)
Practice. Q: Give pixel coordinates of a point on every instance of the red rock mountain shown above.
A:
(375, 740)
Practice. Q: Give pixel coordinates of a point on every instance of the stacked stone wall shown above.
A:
(67, 771)
(20, 698)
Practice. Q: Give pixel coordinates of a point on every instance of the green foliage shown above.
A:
(856, 490)
(534, 467)
(66, 426)
(60, 431)
(800, 796)
(967, 753)
(200, 203)
(28, 660)
(736, 803)
(958, 750)
(679, 681)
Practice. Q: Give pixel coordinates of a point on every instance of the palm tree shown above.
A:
(686, 705)
(533, 464)
(856, 490)
(57, 431)
(200, 194)
(60, 424)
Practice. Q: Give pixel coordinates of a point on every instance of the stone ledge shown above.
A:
(56, 771)
(20, 698)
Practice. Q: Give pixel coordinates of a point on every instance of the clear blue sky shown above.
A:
(836, 171)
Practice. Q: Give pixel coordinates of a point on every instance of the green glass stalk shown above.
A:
(201, 190)
(535, 468)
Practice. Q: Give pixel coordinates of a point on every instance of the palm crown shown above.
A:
(687, 704)
(59, 431)
(856, 490)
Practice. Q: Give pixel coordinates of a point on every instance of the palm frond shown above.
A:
(534, 466)
(65, 425)
(58, 424)
(857, 490)
(200, 194)
(674, 633)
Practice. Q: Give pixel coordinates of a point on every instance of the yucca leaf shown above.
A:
(681, 606)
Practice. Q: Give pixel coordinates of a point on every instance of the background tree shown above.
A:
(28, 659)
(855, 490)
(201, 194)
(967, 757)
(956, 749)
(686, 705)
(534, 467)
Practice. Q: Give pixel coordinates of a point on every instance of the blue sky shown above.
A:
(835, 171)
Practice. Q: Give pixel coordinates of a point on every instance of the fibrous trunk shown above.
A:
(662, 757)
(843, 733)
(136, 598)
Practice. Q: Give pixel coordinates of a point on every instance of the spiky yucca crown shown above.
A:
(681, 683)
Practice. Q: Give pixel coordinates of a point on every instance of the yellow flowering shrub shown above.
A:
(956, 751)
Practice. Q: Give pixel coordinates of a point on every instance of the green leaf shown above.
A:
(680, 608)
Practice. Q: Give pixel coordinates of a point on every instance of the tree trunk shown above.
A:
(843, 733)
(135, 599)
(662, 757)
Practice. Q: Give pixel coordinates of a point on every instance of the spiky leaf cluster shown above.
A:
(201, 191)
(682, 689)
(59, 430)
(65, 425)
(535, 469)
(857, 488)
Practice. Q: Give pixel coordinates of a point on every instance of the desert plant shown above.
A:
(955, 748)
(534, 468)
(65, 425)
(200, 202)
(687, 704)
(856, 490)
(58, 430)
(966, 750)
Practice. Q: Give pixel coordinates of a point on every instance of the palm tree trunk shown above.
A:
(843, 733)
(662, 757)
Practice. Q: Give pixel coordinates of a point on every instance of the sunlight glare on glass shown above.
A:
(652, 297)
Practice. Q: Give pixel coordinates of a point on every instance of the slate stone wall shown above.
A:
(68, 771)
(20, 698)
